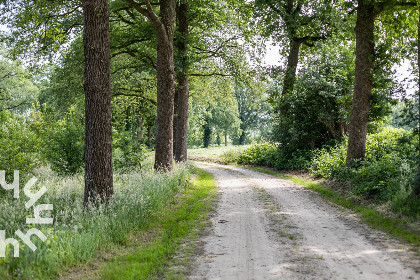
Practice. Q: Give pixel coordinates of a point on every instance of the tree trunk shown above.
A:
(416, 190)
(165, 86)
(149, 136)
(206, 134)
(164, 28)
(97, 87)
(175, 124)
(140, 129)
(183, 88)
(365, 46)
(225, 138)
(292, 62)
(242, 138)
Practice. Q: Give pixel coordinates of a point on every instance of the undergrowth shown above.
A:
(169, 229)
(78, 236)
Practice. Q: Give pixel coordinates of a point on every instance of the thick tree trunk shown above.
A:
(292, 62)
(97, 86)
(164, 27)
(165, 86)
(365, 46)
(182, 88)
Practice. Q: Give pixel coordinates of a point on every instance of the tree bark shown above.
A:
(416, 190)
(207, 133)
(175, 124)
(149, 136)
(165, 86)
(97, 87)
(365, 46)
(225, 138)
(140, 129)
(292, 62)
(182, 87)
(164, 28)
(242, 137)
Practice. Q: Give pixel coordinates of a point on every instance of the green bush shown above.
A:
(271, 155)
(62, 139)
(329, 162)
(259, 154)
(387, 170)
(230, 156)
(18, 145)
(128, 153)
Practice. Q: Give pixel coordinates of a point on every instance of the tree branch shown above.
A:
(306, 39)
(115, 94)
(14, 106)
(138, 7)
(210, 74)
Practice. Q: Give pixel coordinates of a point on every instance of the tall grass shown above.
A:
(77, 236)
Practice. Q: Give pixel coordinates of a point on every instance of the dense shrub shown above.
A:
(258, 154)
(271, 155)
(387, 169)
(62, 139)
(18, 144)
(128, 153)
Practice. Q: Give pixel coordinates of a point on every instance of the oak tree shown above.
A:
(164, 28)
(97, 87)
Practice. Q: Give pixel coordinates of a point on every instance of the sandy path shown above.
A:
(268, 228)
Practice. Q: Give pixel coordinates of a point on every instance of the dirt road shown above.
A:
(268, 228)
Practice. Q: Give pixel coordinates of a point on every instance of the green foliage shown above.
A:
(253, 112)
(128, 153)
(17, 90)
(268, 154)
(19, 144)
(40, 28)
(230, 156)
(258, 154)
(77, 235)
(387, 170)
(62, 139)
(317, 111)
(213, 111)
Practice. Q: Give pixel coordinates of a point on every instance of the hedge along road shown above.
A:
(268, 228)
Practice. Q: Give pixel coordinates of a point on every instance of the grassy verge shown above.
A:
(165, 236)
(395, 227)
(80, 237)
